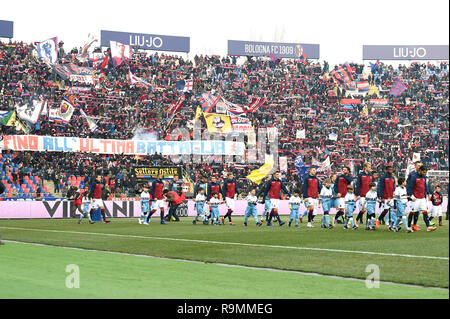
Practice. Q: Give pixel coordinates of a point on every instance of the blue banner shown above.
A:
(146, 41)
(405, 52)
(6, 29)
(274, 49)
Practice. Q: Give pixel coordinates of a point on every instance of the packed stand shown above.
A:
(298, 97)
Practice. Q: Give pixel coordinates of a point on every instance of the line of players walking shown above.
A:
(391, 194)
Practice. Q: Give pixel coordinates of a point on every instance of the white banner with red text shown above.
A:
(126, 147)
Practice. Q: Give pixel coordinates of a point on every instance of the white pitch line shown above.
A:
(225, 265)
(231, 243)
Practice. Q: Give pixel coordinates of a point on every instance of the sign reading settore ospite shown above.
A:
(405, 52)
(146, 41)
(279, 50)
(153, 172)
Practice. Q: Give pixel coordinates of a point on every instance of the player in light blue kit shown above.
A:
(400, 201)
(371, 199)
(327, 202)
(86, 201)
(267, 209)
(350, 204)
(214, 203)
(199, 206)
(305, 203)
(145, 206)
(294, 203)
(251, 210)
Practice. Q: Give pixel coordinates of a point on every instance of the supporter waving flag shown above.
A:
(300, 166)
(184, 85)
(363, 86)
(30, 112)
(133, 79)
(91, 123)
(174, 108)
(188, 85)
(119, 52)
(337, 77)
(343, 74)
(7, 118)
(66, 109)
(48, 50)
(100, 63)
(84, 55)
(234, 109)
(208, 101)
(349, 72)
(257, 175)
(374, 67)
(256, 104)
(398, 87)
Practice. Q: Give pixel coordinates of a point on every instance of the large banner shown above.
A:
(30, 112)
(350, 101)
(48, 50)
(405, 52)
(6, 29)
(153, 172)
(218, 123)
(241, 124)
(73, 72)
(63, 209)
(128, 208)
(119, 52)
(127, 147)
(279, 50)
(146, 41)
(379, 102)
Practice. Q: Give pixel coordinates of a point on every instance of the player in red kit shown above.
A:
(311, 191)
(385, 191)
(156, 193)
(273, 188)
(77, 202)
(174, 201)
(418, 190)
(361, 189)
(229, 193)
(340, 189)
(96, 196)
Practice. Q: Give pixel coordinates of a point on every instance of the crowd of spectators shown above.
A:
(298, 96)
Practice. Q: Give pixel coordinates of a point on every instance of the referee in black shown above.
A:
(2, 189)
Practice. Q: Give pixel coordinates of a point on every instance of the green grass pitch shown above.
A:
(32, 271)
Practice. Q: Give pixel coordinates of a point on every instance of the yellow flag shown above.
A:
(198, 113)
(217, 123)
(12, 120)
(257, 175)
(373, 90)
(365, 111)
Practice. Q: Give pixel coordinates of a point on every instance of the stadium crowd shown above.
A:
(299, 96)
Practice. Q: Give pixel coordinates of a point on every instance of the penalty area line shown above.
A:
(230, 243)
(225, 265)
